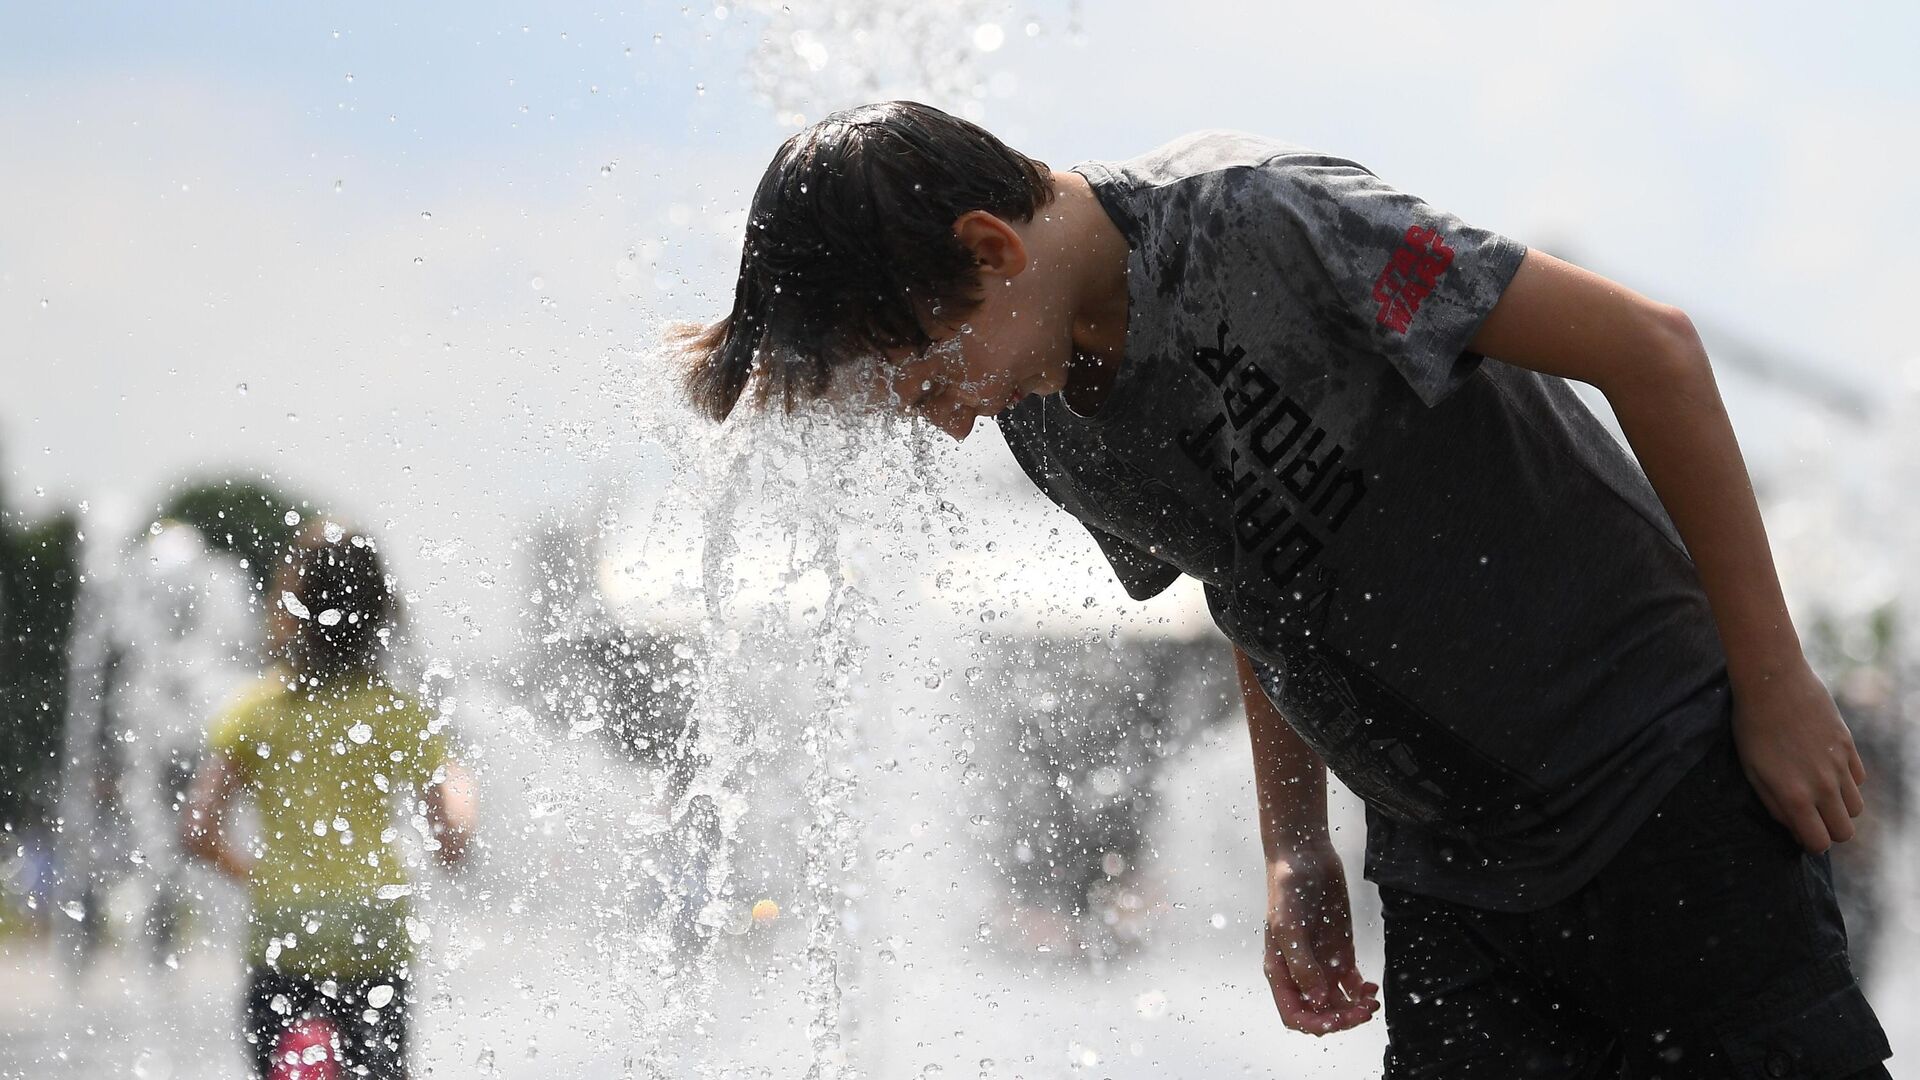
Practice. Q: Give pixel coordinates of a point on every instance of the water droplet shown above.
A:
(426, 215)
(988, 36)
(536, 282)
(542, 802)
(700, 88)
(349, 76)
(379, 996)
(292, 517)
(293, 605)
(607, 169)
(240, 387)
(333, 532)
(74, 910)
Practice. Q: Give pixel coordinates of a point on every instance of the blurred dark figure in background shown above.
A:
(593, 675)
(334, 758)
(1091, 731)
(630, 687)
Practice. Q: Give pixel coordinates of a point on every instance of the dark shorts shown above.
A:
(374, 1040)
(1711, 946)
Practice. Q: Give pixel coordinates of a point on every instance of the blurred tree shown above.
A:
(39, 584)
(39, 580)
(244, 516)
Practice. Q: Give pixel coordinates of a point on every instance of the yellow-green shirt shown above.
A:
(327, 768)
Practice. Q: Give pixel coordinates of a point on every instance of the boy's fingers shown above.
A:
(1308, 975)
(1857, 767)
(1810, 828)
(1351, 982)
(1360, 993)
(1300, 1015)
(1805, 816)
(1856, 802)
(1834, 817)
(1303, 991)
(1294, 1010)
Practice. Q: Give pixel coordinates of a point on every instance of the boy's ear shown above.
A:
(996, 245)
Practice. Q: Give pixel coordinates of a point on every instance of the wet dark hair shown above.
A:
(850, 251)
(341, 601)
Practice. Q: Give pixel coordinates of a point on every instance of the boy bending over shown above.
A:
(1600, 776)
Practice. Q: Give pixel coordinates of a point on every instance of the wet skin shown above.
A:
(1051, 319)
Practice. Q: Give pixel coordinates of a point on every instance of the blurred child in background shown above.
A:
(335, 760)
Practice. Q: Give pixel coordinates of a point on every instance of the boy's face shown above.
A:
(1018, 342)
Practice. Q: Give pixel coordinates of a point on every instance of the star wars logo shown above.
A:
(1409, 276)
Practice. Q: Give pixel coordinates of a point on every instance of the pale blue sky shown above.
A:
(198, 197)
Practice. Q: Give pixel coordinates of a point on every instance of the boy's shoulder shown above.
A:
(1202, 153)
(1189, 183)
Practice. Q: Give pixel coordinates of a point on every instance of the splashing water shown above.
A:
(813, 58)
(791, 751)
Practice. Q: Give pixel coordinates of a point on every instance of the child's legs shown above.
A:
(276, 1001)
(273, 1003)
(373, 1037)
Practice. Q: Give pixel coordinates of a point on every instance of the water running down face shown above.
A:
(1017, 342)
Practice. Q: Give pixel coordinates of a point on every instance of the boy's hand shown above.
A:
(1309, 944)
(1799, 756)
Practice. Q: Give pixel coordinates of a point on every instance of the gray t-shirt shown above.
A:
(1456, 585)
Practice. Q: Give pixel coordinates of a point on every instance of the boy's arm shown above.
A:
(1309, 933)
(1648, 361)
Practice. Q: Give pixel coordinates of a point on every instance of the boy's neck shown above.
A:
(1094, 254)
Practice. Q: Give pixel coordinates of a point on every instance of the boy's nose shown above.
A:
(957, 423)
